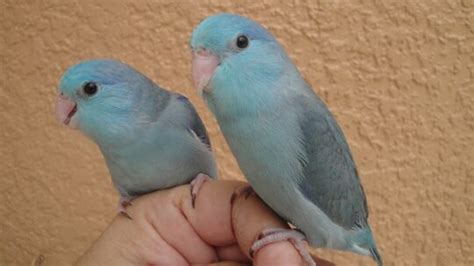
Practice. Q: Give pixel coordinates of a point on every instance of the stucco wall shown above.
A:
(398, 76)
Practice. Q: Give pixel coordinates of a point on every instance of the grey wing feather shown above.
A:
(330, 177)
(196, 126)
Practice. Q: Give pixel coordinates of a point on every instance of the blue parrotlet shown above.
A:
(150, 138)
(286, 141)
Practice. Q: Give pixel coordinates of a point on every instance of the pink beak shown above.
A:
(204, 65)
(65, 111)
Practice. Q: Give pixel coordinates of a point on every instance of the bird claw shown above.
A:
(124, 202)
(125, 213)
(247, 191)
(196, 184)
(273, 235)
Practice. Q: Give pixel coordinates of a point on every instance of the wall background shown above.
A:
(397, 74)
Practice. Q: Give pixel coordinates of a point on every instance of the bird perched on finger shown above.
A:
(150, 138)
(285, 140)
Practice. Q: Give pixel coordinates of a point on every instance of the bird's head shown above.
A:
(234, 56)
(100, 97)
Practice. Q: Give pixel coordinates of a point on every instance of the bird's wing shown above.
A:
(195, 125)
(330, 179)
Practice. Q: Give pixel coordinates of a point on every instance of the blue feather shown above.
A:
(285, 140)
(143, 131)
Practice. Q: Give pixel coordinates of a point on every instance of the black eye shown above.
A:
(90, 88)
(242, 41)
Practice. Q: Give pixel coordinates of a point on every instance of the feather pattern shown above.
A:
(142, 129)
(330, 177)
(285, 140)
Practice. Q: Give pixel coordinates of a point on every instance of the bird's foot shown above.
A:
(196, 185)
(124, 202)
(273, 235)
(247, 191)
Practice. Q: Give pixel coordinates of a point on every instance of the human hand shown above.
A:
(166, 230)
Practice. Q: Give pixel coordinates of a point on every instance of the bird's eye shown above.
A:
(242, 42)
(90, 88)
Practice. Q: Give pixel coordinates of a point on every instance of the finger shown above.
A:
(227, 263)
(321, 262)
(232, 253)
(162, 212)
(250, 216)
(130, 242)
(211, 216)
(278, 253)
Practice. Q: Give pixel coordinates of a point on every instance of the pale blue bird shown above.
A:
(285, 140)
(150, 138)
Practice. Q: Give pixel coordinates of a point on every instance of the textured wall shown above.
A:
(398, 76)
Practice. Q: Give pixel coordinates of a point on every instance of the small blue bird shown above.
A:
(150, 138)
(285, 140)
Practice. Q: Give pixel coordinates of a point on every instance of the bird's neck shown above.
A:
(241, 96)
(114, 129)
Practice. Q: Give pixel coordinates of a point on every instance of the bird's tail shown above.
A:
(376, 255)
(364, 243)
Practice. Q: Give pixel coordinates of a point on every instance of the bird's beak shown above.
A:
(65, 111)
(204, 65)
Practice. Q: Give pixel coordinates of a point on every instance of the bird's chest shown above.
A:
(147, 165)
(267, 150)
(132, 171)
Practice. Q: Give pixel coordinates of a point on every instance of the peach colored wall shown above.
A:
(398, 75)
